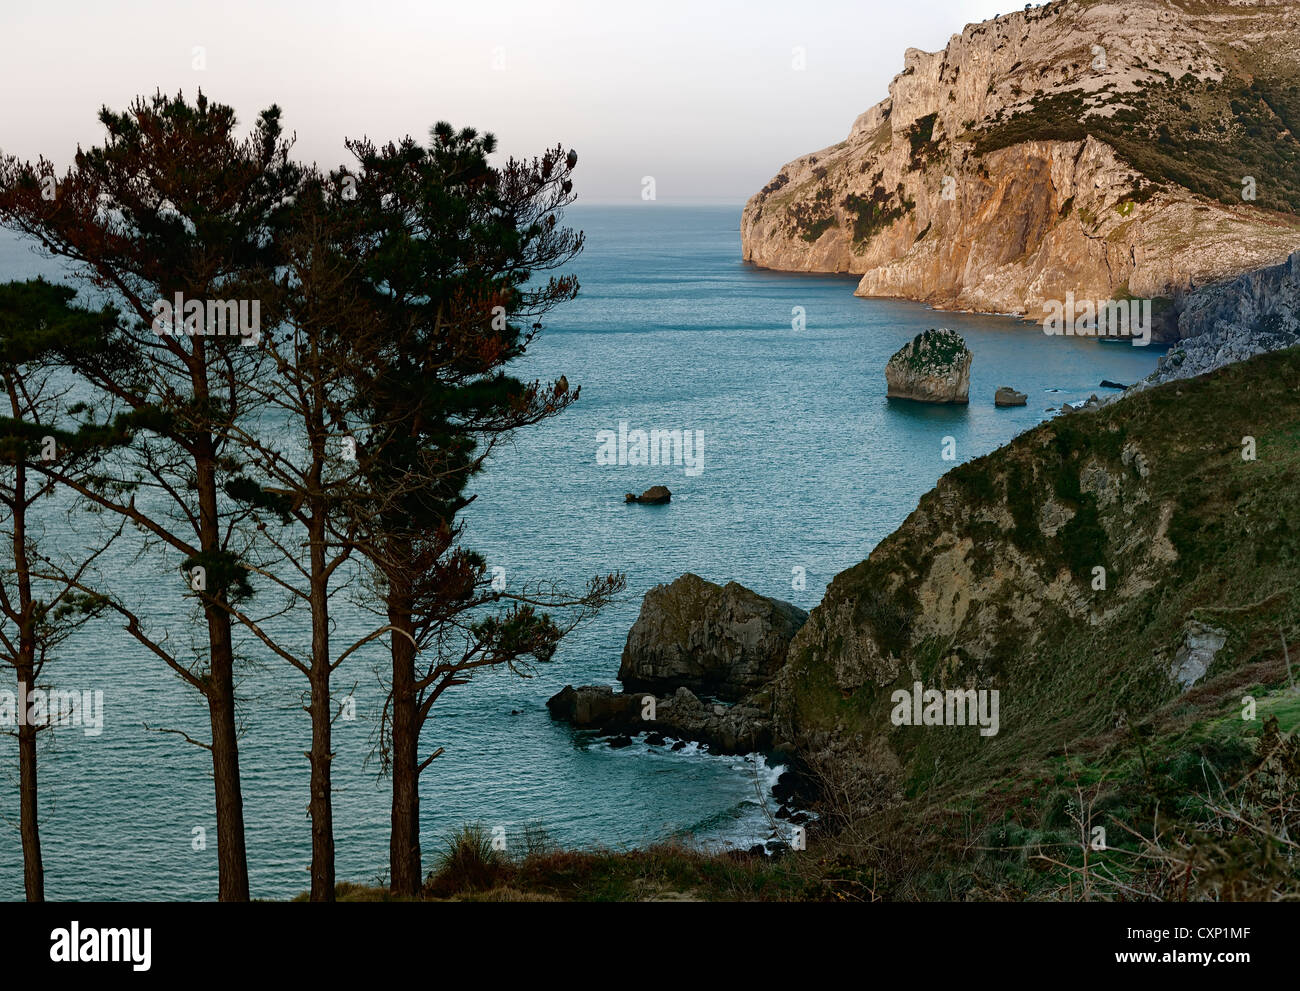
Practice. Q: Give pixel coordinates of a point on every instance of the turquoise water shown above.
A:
(805, 466)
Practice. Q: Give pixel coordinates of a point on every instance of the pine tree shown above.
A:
(175, 203)
(42, 601)
(451, 251)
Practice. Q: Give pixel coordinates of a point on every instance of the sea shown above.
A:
(801, 467)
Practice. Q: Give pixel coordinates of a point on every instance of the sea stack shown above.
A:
(934, 367)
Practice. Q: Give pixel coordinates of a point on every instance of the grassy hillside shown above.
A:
(990, 584)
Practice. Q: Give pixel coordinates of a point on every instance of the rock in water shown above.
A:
(934, 367)
(595, 705)
(1007, 396)
(655, 495)
(735, 729)
(719, 640)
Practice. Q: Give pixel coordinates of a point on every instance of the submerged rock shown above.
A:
(721, 640)
(934, 367)
(656, 495)
(1007, 396)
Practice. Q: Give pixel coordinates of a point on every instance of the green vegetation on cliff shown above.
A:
(811, 218)
(1075, 571)
(876, 211)
(1206, 136)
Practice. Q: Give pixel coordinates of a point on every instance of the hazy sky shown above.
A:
(700, 95)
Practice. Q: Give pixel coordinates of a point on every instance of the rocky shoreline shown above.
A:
(693, 638)
(680, 719)
(724, 642)
(742, 728)
(1223, 324)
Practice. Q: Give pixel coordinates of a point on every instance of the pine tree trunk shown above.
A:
(25, 666)
(29, 826)
(232, 856)
(404, 841)
(322, 714)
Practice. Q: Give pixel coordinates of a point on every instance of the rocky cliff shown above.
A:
(1252, 314)
(1102, 567)
(1099, 148)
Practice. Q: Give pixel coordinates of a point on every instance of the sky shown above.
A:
(703, 96)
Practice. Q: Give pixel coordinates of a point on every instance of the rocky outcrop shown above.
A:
(933, 367)
(1201, 644)
(1045, 152)
(596, 706)
(725, 641)
(1007, 396)
(1233, 321)
(727, 729)
(656, 495)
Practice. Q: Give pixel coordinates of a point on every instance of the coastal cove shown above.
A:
(808, 467)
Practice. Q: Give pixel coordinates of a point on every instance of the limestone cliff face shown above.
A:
(1232, 321)
(1089, 147)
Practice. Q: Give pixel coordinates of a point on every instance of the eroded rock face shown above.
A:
(1232, 321)
(713, 639)
(912, 203)
(934, 367)
(1201, 644)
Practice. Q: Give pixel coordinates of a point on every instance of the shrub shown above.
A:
(468, 862)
